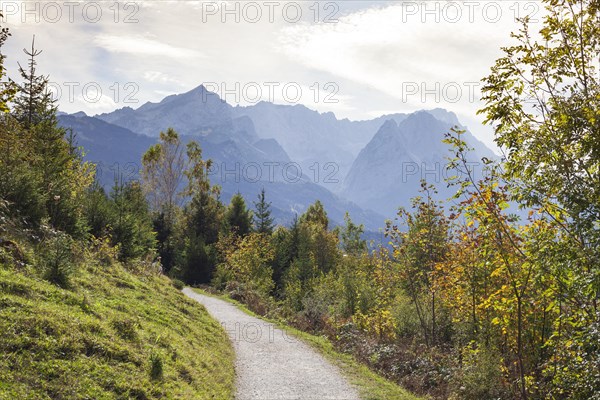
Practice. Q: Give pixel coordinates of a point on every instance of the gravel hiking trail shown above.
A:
(271, 365)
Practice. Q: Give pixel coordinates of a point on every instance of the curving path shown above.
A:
(269, 364)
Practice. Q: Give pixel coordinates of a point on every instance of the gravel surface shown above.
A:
(270, 364)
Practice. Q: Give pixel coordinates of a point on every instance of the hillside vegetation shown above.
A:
(111, 334)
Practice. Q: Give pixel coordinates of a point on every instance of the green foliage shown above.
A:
(94, 339)
(56, 259)
(477, 304)
(357, 294)
(123, 217)
(238, 218)
(179, 285)
(263, 223)
(197, 231)
(199, 260)
(543, 97)
(97, 211)
(282, 241)
(20, 186)
(247, 260)
(156, 367)
(204, 215)
(351, 237)
(131, 224)
(42, 174)
(313, 253)
(316, 215)
(419, 250)
(480, 376)
(33, 104)
(7, 91)
(166, 240)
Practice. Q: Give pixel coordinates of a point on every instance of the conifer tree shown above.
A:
(263, 223)
(238, 217)
(33, 103)
(56, 178)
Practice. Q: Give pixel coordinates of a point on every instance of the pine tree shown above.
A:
(97, 210)
(294, 237)
(204, 211)
(7, 90)
(56, 179)
(263, 223)
(131, 222)
(34, 102)
(238, 217)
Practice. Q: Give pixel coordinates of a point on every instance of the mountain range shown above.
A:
(368, 168)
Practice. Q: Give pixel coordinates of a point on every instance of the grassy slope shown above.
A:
(96, 340)
(370, 385)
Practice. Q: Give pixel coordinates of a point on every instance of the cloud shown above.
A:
(392, 49)
(374, 53)
(161, 77)
(140, 45)
(407, 56)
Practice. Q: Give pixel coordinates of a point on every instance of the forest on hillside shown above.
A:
(469, 300)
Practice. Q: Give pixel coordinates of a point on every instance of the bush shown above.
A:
(320, 304)
(156, 367)
(480, 376)
(254, 300)
(56, 259)
(248, 261)
(125, 328)
(146, 264)
(221, 277)
(407, 319)
(11, 253)
(179, 285)
(101, 252)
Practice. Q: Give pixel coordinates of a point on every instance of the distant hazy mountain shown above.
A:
(118, 150)
(319, 143)
(197, 112)
(231, 141)
(114, 149)
(313, 139)
(298, 154)
(387, 172)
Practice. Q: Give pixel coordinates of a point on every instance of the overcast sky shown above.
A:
(358, 59)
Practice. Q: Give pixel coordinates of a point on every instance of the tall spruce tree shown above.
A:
(263, 223)
(57, 177)
(33, 103)
(131, 222)
(238, 217)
